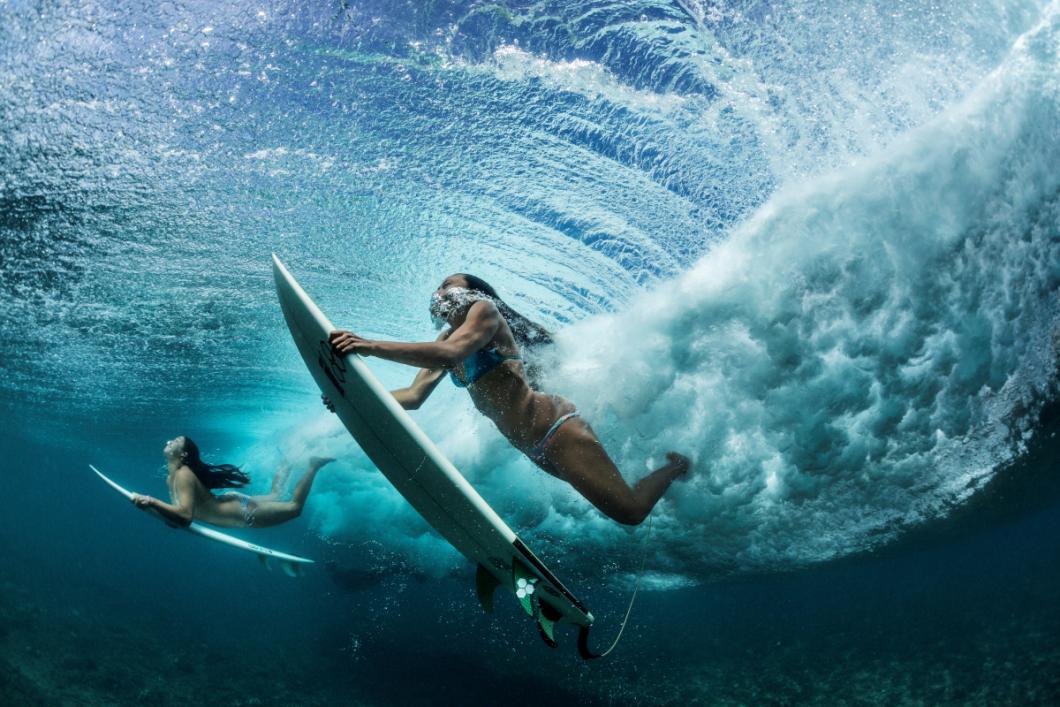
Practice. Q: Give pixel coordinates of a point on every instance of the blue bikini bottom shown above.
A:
(247, 505)
(537, 452)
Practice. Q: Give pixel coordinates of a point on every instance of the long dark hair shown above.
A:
(527, 334)
(212, 476)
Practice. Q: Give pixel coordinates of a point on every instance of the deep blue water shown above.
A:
(816, 247)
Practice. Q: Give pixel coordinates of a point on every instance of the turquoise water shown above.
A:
(813, 247)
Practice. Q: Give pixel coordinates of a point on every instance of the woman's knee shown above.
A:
(629, 512)
(277, 512)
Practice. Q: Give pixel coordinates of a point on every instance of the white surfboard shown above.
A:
(290, 564)
(422, 474)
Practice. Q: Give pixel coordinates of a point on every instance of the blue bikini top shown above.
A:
(479, 364)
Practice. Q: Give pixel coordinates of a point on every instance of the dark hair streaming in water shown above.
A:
(212, 476)
(527, 333)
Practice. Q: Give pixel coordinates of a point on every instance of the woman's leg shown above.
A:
(271, 512)
(576, 456)
(279, 481)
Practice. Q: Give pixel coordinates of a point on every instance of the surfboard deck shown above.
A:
(290, 564)
(421, 473)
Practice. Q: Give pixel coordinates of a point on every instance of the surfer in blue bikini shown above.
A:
(480, 348)
(191, 481)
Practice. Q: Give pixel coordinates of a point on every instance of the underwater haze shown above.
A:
(813, 246)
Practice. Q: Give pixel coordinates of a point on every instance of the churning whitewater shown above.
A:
(850, 362)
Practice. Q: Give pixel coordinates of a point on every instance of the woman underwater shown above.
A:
(191, 480)
(480, 350)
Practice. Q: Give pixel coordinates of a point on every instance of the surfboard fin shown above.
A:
(524, 580)
(485, 584)
(291, 569)
(264, 560)
(546, 616)
(546, 623)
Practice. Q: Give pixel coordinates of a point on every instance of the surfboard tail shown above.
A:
(289, 568)
(524, 584)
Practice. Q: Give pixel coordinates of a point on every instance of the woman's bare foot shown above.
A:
(315, 463)
(680, 462)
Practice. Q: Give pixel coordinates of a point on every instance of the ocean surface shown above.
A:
(813, 246)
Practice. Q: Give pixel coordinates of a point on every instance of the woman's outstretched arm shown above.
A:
(478, 328)
(413, 395)
(179, 513)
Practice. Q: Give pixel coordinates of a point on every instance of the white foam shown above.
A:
(842, 365)
(586, 78)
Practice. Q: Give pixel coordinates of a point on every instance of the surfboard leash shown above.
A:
(583, 634)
